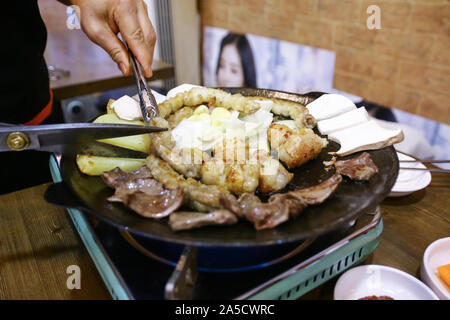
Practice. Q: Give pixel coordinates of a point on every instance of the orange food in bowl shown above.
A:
(444, 273)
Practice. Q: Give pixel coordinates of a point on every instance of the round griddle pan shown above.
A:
(351, 199)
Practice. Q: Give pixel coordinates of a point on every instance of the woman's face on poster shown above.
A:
(230, 73)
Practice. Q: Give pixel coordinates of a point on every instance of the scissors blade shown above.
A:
(97, 148)
(52, 137)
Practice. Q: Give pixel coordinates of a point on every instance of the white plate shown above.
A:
(409, 181)
(437, 254)
(376, 280)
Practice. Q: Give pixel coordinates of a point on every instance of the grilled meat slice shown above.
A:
(299, 199)
(156, 204)
(117, 176)
(280, 206)
(183, 220)
(143, 194)
(359, 168)
(263, 215)
(295, 204)
(318, 193)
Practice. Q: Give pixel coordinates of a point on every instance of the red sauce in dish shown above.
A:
(376, 298)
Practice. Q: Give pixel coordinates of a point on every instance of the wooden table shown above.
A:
(38, 242)
(91, 68)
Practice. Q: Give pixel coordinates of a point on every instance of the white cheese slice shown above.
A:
(342, 121)
(127, 108)
(365, 136)
(329, 105)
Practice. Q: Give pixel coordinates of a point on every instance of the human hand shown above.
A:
(102, 20)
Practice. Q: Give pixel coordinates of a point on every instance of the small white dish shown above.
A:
(409, 181)
(376, 280)
(437, 254)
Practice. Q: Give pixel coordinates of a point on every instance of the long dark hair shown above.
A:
(245, 52)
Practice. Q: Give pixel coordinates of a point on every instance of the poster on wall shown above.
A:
(235, 60)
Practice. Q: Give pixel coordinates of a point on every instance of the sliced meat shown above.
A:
(144, 195)
(318, 193)
(263, 215)
(281, 206)
(125, 188)
(158, 205)
(359, 168)
(184, 220)
(230, 203)
(117, 176)
(294, 204)
(267, 215)
(299, 199)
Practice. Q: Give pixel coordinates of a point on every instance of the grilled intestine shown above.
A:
(219, 150)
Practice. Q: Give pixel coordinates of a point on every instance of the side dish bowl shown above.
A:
(376, 280)
(437, 254)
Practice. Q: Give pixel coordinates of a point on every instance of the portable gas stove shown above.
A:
(139, 268)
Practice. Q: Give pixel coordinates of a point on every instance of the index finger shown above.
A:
(133, 34)
(149, 33)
